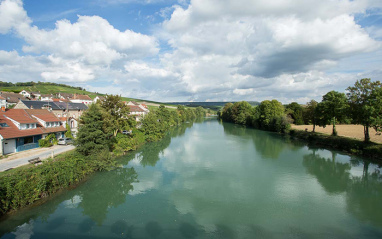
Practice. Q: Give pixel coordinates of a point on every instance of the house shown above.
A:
(29, 104)
(35, 95)
(137, 111)
(65, 96)
(46, 97)
(20, 129)
(25, 93)
(99, 98)
(131, 103)
(12, 98)
(85, 99)
(60, 109)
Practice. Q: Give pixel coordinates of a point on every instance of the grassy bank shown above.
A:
(347, 145)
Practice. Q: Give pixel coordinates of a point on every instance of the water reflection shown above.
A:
(363, 193)
(212, 182)
(333, 176)
(364, 196)
(269, 145)
(105, 192)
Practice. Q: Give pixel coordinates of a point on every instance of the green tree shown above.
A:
(295, 110)
(365, 104)
(90, 137)
(333, 107)
(312, 113)
(226, 113)
(241, 112)
(267, 111)
(116, 115)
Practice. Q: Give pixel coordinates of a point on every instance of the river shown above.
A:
(216, 180)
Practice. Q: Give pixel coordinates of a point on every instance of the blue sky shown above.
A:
(198, 50)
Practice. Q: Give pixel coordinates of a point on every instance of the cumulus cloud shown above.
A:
(12, 15)
(204, 50)
(245, 48)
(71, 52)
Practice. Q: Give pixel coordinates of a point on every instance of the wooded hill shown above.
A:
(53, 88)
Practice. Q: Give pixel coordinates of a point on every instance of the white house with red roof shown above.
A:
(20, 129)
(85, 99)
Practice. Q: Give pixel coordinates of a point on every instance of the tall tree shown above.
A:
(295, 110)
(365, 104)
(116, 115)
(334, 106)
(241, 112)
(90, 137)
(311, 113)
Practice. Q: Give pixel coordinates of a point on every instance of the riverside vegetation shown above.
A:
(361, 105)
(99, 142)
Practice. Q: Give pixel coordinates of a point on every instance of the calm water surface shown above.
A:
(214, 180)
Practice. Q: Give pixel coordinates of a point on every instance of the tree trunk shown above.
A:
(314, 127)
(366, 132)
(334, 133)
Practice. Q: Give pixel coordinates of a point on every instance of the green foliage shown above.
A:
(25, 186)
(241, 112)
(115, 115)
(295, 110)
(311, 113)
(269, 115)
(91, 138)
(48, 141)
(267, 112)
(126, 143)
(365, 102)
(332, 108)
(68, 133)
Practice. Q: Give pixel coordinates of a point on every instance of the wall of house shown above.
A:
(21, 105)
(8, 146)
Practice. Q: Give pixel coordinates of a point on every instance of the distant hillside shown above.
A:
(51, 88)
(210, 105)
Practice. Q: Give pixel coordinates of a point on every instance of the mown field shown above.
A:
(351, 131)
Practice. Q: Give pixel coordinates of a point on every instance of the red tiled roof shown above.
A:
(135, 108)
(20, 116)
(81, 97)
(2, 98)
(43, 114)
(56, 100)
(52, 129)
(63, 119)
(13, 132)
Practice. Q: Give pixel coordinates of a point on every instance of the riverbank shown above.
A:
(25, 186)
(348, 145)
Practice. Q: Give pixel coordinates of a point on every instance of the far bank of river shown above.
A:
(216, 180)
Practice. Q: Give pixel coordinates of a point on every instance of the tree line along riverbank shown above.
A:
(99, 142)
(361, 105)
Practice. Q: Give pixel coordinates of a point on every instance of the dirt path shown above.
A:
(351, 131)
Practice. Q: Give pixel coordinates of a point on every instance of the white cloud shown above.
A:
(214, 50)
(12, 15)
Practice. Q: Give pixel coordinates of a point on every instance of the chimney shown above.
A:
(3, 108)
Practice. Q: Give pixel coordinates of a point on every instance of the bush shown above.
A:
(23, 187)
(44, 143)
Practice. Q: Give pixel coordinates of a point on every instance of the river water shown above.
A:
(216, 180)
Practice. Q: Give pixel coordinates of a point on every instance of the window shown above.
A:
(28, 126)
(47, 124)
(4, 125)
(28, 140)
